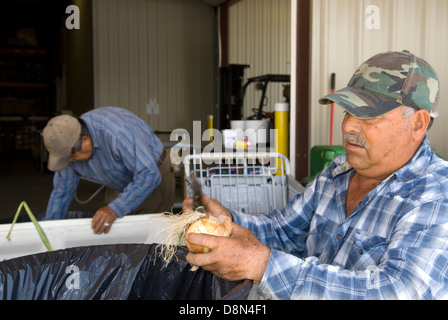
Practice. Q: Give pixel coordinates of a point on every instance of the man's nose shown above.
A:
(351, 123)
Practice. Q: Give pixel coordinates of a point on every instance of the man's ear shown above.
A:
(421, 122)
(87, 143)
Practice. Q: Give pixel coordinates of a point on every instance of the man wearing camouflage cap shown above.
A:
(372, 225)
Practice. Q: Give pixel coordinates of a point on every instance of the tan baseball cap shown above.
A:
(60, 136)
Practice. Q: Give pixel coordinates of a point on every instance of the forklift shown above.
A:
(233, 91)
(262, 84)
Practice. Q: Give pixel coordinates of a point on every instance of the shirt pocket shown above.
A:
(367, 250)
(319, 241)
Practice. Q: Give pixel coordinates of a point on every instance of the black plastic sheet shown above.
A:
(112, 272)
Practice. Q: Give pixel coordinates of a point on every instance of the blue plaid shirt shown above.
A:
(125, 156)
(394, 245)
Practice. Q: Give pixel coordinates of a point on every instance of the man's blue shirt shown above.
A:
(394, 245)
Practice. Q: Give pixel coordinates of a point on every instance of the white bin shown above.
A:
(68, 233)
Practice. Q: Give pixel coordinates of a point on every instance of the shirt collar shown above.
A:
(92, 134)
(417, 164)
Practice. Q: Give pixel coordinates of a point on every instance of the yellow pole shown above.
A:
(281, 125)
(210, 125)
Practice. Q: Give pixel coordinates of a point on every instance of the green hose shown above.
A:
(41, 232)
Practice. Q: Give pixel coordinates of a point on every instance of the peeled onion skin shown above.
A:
(221, 226)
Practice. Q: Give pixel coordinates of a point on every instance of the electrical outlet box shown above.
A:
(152, 107)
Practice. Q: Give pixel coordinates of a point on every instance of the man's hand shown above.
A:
(212, 206)
(241, 256)
(103, 219)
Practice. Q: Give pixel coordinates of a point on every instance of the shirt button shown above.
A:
(339, 237)
(361, 251)
(342, 199)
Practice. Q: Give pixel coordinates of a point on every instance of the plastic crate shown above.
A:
(251, 183)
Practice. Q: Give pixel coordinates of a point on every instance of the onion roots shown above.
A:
(191, 222)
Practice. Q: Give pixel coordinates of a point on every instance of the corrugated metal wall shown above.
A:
(260, 35)
(156, 49)
(342, 41)
(164, 50)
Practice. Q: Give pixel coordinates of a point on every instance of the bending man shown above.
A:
(115, 148)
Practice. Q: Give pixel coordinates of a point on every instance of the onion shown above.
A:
(221, 226)
(191, 222)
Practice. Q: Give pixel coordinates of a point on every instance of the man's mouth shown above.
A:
(354, 140)
(354, 144)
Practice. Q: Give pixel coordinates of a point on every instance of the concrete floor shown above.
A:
(21, 180)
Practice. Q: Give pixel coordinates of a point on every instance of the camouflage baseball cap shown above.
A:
(388, 81)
